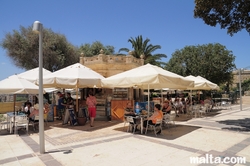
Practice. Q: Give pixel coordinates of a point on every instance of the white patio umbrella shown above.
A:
(33, 75)
(15, 85)
(74, 76)
(147, 77)
(201, 83)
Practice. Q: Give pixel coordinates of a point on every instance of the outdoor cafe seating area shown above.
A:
(134, 124)
(144, 77)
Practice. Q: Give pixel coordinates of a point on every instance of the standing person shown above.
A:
(69, 104)
(91, 103)
(61, 107)
(57, 97)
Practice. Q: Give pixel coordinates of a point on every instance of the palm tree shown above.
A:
(145, 49)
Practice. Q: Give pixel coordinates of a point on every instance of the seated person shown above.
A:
(156, 115)
(129, 110)
(166, 107)
(178, 105)
(27, 103)
(184, 105)
(207, 101)
(28, 109)
(34, 113)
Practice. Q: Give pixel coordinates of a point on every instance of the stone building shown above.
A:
(108, 65)
(245, 75)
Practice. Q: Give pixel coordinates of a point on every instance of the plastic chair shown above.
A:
(228, 105)
(203, 110)
(3, 121)
(34, 122)
(132, 123)
(196, 109)
(158, 124)
(169, 119)
(190, 111)
(21, 122)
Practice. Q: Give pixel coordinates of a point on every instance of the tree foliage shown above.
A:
(246, 85)
(23, 49)
(142, 47)
(94, 49)
(212, 61)
(232, 15)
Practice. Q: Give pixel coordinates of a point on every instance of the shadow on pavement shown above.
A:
(58, 124)
(171, 133)
(243, 124)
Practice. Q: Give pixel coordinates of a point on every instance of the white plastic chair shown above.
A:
(169, 119)
(203, 110)
(35, 122)
(158, 124)
(228, 105)
(196, 110)
(132, 124)
(3, 122)
(21, 122)
(190, 111)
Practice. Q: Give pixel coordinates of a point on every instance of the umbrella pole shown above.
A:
(148, 101)
(14, 98)
(76, 99)
(161, 98)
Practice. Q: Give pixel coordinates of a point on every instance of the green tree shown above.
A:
(94, 49)
(142, 47)
(211, 61)
(232, 15)
(246, 85)
(23, 49)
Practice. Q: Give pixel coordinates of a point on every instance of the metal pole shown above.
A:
(38, 28)
(240, 89)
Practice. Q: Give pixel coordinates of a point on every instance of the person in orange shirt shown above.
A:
(156, 115)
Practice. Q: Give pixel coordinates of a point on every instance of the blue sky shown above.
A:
(112, 22)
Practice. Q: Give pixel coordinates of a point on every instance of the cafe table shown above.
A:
(142, 117)
(10, 118)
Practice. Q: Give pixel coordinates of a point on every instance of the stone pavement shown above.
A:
(223, 133)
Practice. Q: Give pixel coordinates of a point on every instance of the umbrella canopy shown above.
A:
(16, 85)
(201, 83)
(33, 74)
(148, 76)
(74, 76)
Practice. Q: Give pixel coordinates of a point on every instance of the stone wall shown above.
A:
(245, 75)
(108, 65)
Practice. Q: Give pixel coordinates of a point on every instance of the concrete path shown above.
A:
(222, 134)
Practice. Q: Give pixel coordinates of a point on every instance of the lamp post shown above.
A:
(240, 89)
(38, 28)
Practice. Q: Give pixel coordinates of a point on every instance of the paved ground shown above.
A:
(223, 133)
